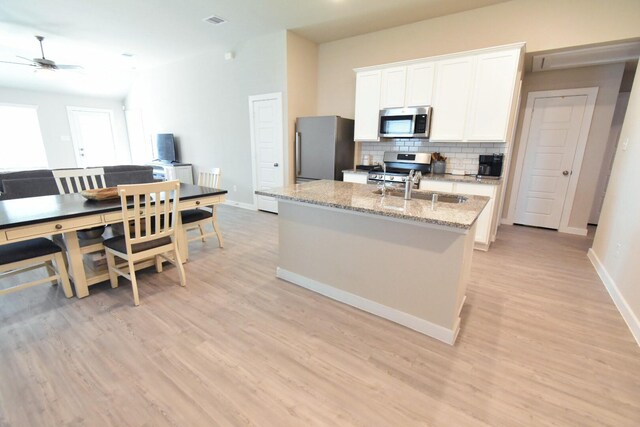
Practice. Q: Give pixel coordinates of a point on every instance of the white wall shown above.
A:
(203, 100)
(616, 246)
(54, 122)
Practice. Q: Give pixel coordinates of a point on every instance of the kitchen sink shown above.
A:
(443, 198)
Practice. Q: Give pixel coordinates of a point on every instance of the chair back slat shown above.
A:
(210, 179)
(154, 210)
(75, 180)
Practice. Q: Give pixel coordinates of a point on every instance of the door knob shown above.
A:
(275, 165)
(565, 173)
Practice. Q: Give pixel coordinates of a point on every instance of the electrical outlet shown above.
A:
(235, 188)
(625, 144)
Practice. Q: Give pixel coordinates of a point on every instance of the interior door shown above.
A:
(548, 161)
(92, 135)
(266, 129)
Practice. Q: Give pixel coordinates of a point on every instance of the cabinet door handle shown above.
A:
(565, 173)
(58, 226)
(198, 203)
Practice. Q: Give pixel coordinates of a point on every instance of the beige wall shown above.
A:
(607, 78)
(542, 24)
(203, 100)
(617, 240)
(54, 122)
(302, 95)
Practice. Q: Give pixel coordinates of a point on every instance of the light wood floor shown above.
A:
(541, 344)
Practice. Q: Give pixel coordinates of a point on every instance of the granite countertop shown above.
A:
(470, 179)
(362, 198)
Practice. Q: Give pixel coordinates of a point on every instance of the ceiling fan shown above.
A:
(43, 63)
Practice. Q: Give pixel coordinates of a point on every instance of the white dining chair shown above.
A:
(149, 231)
(197, 219)
(75, 180)
(21, 257)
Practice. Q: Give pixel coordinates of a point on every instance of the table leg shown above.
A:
(75, 264)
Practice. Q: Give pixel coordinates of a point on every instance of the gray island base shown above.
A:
(400, 260)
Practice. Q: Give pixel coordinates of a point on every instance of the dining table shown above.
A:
(65, 214)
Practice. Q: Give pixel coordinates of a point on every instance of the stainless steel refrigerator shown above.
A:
(324, 147)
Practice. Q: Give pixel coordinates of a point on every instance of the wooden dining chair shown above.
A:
(21, 257)
(197, 219)
(75, 180)
(149, 231)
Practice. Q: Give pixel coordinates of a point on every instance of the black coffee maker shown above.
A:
(490, 165)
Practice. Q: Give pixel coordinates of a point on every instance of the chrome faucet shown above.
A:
(413, 178)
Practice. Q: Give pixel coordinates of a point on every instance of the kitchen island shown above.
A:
(405, 260)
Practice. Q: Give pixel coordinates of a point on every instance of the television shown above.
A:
(164, 147)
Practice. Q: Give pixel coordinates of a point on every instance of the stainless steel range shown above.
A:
(398, 166)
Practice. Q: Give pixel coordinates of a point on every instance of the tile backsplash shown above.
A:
(460, 155)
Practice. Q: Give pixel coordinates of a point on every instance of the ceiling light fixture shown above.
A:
(215, 20)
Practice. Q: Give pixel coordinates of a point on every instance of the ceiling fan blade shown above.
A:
(26, 59)
(18, 63)
(68, 67)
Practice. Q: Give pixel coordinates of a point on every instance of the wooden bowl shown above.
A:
(101, 193)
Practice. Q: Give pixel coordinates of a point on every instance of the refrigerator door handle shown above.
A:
(298, 155)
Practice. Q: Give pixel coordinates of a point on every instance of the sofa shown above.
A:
(33, 183)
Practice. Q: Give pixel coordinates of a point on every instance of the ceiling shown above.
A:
(95, 33)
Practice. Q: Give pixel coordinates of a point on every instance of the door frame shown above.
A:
(74, 130)
(591, 93)
(280, 137)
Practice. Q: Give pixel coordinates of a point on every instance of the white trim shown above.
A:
(591, 93)
(412, 322)
(253, 98)
(242, 205)
(574, 230)
(618, 299)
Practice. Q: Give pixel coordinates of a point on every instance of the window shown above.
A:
(20, 138)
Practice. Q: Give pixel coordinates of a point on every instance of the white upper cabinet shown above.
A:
(472, 93)
(367, 105)
(492, 96)
(393, 87)
(451, 98)
(419, 84)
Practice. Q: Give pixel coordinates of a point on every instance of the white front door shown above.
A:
(551, 144)
(267, 146)
(92, 135)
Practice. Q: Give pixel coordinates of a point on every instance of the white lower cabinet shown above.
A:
(487, 221)
(355, 177)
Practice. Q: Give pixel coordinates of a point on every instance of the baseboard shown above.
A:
(417, 324)
(618, 299)
(506, 221)
(574, 230)
(248, 206)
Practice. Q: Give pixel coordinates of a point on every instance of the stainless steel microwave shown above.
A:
(410, 122)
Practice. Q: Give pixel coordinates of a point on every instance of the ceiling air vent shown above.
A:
(215, 20)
